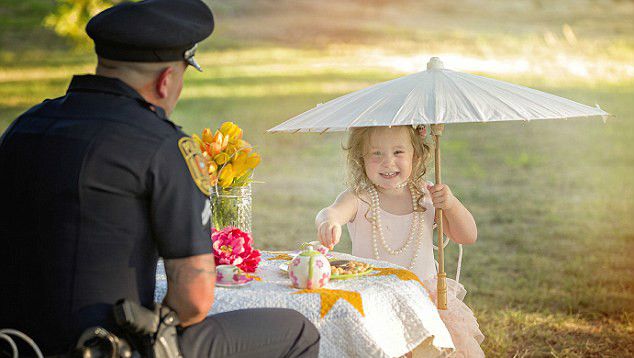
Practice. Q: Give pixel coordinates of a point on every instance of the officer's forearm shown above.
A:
(190, 287)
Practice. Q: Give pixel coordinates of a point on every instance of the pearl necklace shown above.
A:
(377, 229)
(402, 185)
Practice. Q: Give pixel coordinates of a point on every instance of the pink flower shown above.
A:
(322, 249)
(294, 279)
(324, 279)
(233, 246)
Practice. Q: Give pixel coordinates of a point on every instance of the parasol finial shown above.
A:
(435, 63)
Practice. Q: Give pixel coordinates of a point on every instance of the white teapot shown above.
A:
(310, 269)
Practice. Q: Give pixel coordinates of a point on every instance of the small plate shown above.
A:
(353, 275)
(284, 267)
(347, 276)
(232, 285)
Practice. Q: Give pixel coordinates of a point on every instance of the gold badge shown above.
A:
(196, 164)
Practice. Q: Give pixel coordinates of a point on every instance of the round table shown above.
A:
(386, 313)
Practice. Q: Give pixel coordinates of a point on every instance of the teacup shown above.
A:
(229, 274)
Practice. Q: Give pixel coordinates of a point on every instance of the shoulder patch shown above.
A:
(196, 164)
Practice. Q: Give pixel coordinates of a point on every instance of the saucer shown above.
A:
(235, 284)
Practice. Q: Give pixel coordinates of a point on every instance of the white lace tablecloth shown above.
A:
(397, 313)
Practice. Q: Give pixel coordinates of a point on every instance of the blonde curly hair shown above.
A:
(357, 147)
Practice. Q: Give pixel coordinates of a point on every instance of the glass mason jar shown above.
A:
(231, 206)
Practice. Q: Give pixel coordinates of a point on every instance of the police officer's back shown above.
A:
(97, 183)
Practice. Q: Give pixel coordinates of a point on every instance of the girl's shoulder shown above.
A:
(348, 202)
(349, 195)
(346, 196)
(363, 196)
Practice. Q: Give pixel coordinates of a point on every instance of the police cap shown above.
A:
(151, 30)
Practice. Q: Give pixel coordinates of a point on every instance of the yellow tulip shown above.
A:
(221, 158)
(212, 167)
(207, 136)
(231, 150)
(239, 164)
(240, 157)
(225, 176)
(225, 142)
(214, 149)
(232, 130)
(253, 160)
(217, 137)
(229, 156)
(245, 146)
(221, 139)
(227, 127)
(238, 134)
(240, 174)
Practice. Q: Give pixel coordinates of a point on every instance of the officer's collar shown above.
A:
(95, 83)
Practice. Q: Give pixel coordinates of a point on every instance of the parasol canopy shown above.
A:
(435, 96)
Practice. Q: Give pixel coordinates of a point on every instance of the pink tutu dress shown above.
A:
(458, 318)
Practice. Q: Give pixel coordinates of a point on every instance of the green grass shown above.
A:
(552, 273)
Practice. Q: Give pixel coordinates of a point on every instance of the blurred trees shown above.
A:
(70, 17)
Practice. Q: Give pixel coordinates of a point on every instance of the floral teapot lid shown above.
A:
(310, 251)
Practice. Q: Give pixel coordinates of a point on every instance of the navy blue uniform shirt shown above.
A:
(93, 189)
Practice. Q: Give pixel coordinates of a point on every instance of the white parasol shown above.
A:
(436, 96)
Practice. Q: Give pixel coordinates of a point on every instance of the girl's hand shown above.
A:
(442, 197)
(329, 234)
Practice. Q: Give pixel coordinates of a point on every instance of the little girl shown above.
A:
(385, 176)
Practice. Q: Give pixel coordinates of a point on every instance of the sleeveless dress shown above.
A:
(459, 319)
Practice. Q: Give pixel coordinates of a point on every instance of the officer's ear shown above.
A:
(164, 81)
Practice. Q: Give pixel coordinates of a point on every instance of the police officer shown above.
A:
(99, 183)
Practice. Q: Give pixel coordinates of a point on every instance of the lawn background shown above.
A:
(552, 273)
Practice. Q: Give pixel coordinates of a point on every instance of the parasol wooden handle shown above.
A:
(441, 298)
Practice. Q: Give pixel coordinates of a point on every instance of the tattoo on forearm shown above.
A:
(185, 272)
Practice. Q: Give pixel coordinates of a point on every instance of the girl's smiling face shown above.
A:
(389, 157)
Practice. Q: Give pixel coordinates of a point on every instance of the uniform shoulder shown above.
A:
(43, 106)
(27, 119)
(154, 123)
(161, 129)
(170, 140)
(169, 131)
